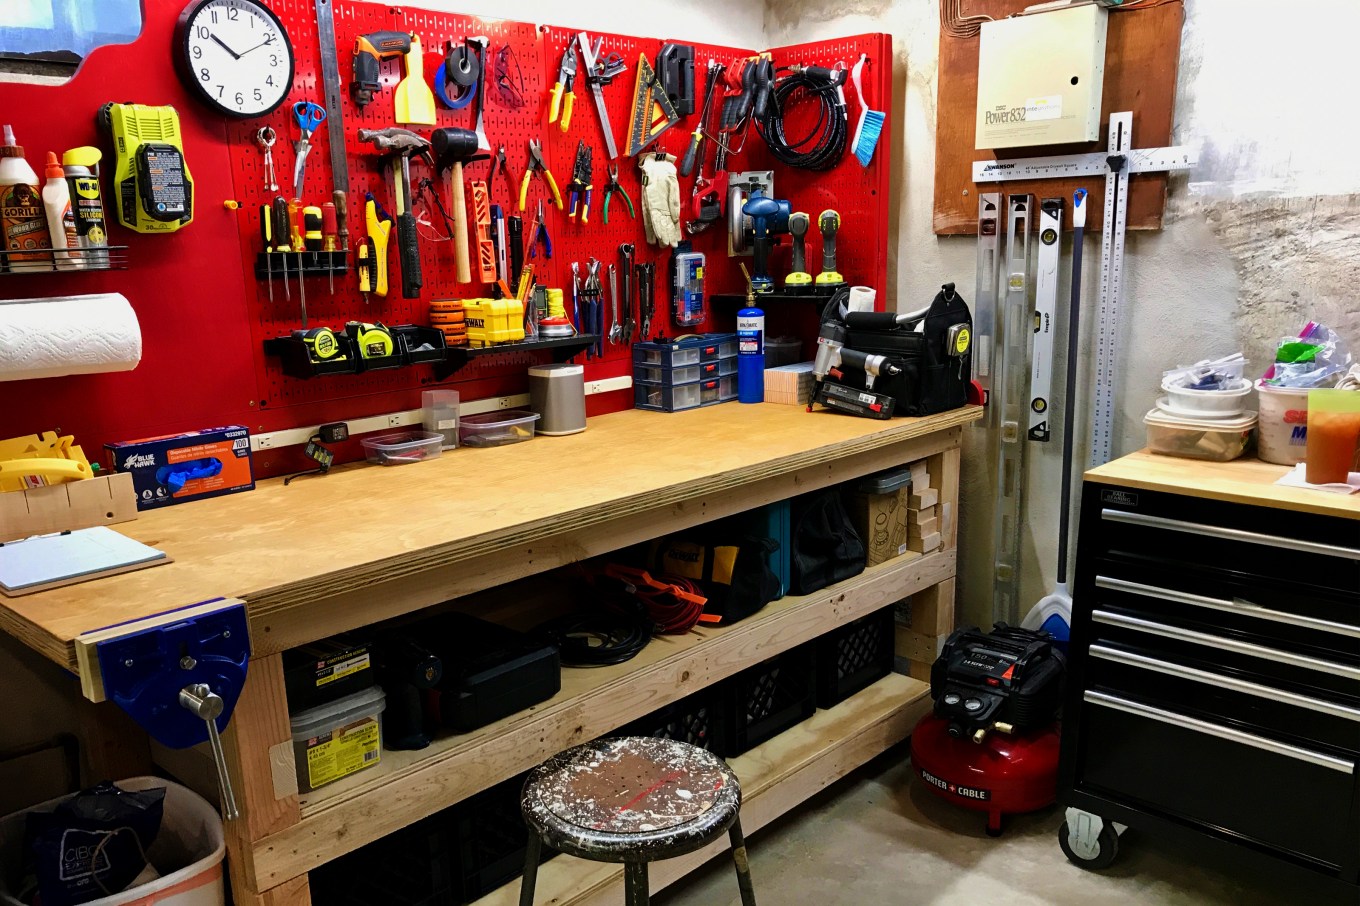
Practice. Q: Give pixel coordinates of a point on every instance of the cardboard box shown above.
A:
(881, 520)
(195, 465)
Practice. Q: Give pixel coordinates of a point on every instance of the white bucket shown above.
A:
(1282, 431)
(190, 835)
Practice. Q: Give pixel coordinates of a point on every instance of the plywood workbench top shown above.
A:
(327, 534)
(1240, 481)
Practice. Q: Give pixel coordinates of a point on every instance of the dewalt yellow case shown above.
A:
(494, 321)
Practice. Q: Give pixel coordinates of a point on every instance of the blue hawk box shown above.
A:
(194, 465)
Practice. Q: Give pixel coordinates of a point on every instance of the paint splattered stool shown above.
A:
(632, 800)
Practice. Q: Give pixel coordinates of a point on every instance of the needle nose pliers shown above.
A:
(536, 165)
(613, 186)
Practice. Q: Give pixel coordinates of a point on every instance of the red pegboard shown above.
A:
(204, 315)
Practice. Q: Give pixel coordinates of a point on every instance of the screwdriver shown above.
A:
(267, 235)
(364, 269)
(299, 246)
(328, 232)
(281, 238)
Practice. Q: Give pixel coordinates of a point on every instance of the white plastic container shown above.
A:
(405, 447)
(1187, 403)
(1217, 440)
(190, 836)
(338, 739)
(1283, 424)
(441, 415)
(61, 222)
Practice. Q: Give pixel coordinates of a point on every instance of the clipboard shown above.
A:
(45, 562)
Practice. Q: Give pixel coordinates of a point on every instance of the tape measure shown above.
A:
(958, 340)
(322, 344)
(374, 340)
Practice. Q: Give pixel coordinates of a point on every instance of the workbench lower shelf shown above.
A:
(775, 777)
(408, 786)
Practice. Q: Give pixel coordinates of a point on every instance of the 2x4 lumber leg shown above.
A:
(258, 725)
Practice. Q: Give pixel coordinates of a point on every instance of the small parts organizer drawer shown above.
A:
(664, 398)
(689, 351)
(1147, 528)
(1244, 785)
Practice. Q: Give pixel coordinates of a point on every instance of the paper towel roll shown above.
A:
(862, 298)
(63, 335)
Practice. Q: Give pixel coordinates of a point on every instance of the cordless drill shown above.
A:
(829, 222)
(769, 216)
(798, 278)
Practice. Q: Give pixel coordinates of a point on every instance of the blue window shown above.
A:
(65, 31)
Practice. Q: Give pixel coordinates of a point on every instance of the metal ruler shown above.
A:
(984, 300)
(1013, 348)
(1116, 164)
(330, 86)
(1045, 309)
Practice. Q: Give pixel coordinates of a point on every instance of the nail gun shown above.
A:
(832, 354)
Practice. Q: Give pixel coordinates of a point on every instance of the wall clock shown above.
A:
(235, 56)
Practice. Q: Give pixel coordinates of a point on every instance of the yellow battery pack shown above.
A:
(494, 321)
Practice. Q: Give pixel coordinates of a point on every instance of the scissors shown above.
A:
(308, 116)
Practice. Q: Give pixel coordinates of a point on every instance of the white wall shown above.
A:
(1262, 236)
(738, 23)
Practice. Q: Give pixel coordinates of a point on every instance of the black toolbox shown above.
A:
(490, 671)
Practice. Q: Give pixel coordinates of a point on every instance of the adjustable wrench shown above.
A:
(616, 328)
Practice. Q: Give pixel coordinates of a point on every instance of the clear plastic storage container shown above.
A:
(493, 429)
(403, 447)
(1217, 440)
(338, 739)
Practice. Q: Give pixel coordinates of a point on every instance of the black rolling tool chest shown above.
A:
(1214, 668)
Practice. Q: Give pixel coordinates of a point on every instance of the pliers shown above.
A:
(613, 186)
(536, 165)
(566, 81)
(498, 166)
(581, 186)
(540, 233)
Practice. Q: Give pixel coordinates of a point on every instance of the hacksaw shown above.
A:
(651, 106)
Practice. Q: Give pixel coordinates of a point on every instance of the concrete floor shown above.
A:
(878, 838)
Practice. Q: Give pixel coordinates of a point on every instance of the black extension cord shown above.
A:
(824, 145)
(611, 634)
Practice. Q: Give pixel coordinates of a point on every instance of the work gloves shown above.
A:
(660, 199)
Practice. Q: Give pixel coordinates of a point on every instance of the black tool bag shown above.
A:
(732, 569)
(937, 362)
(826, 547)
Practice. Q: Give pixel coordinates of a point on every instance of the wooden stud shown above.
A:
(923, 529)
(917, 646)
(924, 544)
(920, 500)
(932, 610)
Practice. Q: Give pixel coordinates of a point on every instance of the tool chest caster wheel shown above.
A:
(1094, 845)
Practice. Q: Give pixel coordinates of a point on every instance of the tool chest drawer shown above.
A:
(1156, 530)
(1236, 784)
(1323, 624)
(1212, 691)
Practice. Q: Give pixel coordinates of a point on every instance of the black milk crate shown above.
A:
(411, 867)
(854, 657)
(763, 701)
(696, 719)
(490, 839)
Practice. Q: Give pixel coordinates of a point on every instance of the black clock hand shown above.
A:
(223, 45)
(268, 40)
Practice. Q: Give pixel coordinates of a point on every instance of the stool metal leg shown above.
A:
(530, 878)
(635, 884)
(748, 893)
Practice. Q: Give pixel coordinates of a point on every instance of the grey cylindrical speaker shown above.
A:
(558, 394)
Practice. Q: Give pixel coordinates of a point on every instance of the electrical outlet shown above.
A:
(263, 441)
(504, 402)
(394, 421)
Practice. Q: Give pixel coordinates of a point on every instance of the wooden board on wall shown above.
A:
(1141, 58)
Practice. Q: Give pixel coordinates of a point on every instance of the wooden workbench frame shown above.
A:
(757, 455)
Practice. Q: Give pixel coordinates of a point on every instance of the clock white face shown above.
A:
(238, 57)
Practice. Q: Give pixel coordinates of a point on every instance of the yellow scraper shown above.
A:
(414, 97)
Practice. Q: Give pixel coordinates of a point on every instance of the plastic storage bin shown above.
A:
(1283, 423)
(1217, 440)
(188, 852)
(440, 415)
(493, 429)
(765, 700)
(691, 351)
(338, 739)
(403, 448)
(696, 719)
(664, 398)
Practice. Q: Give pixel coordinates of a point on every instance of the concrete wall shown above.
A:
(1261, 237)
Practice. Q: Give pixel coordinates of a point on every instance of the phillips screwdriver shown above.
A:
(281, 238)
(267, 236)
(328, 232)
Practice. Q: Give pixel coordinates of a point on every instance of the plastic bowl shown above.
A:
(1187, 403)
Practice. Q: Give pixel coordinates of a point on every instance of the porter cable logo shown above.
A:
(1000, 116)
(1119, 498)
(967, 792)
